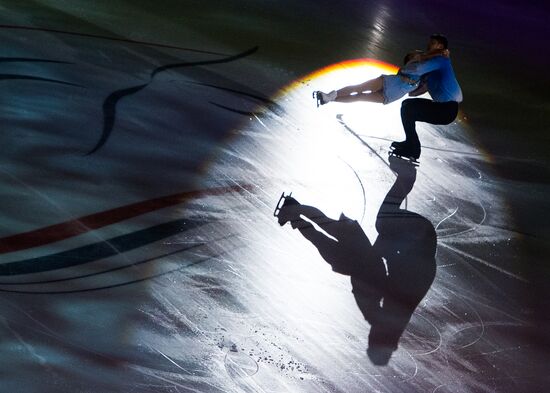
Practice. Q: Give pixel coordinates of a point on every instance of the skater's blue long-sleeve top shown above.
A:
(439, 76)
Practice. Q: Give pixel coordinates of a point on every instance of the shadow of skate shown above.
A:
(389, 278)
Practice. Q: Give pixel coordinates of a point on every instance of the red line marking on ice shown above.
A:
(78, 226)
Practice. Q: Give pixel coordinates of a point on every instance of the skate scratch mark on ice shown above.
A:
(167, 302)
(261, 122)
(362, 188)
(150, 385)
(440, 338)
(239, 156)
(111, 102)
(430, 147)
(469, 229)
(481, 324)
(485, 263)
(340, 118)
(62, 338)
(478, 224)
(276, 250)
(22, 311)
(479, 176)
(179, 269)
(249, 193)
(464, 294)
(21, 241)
(487, 282)
(28, 346)
(446, 218)
(415, 367)
(514, 231)
(174, 384)
(437, 388)
(341, 121)
(171, 361)
(519, 347)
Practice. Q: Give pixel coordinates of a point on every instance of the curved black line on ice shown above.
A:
(122, 284)
(94, 252)
(30, 60)
(35, 78)
(110, 103)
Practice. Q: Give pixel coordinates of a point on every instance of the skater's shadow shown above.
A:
(389, 278)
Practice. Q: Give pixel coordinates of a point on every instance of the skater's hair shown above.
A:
(441, 39)
(409, 56)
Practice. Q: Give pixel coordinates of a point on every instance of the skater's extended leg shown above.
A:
(329, 248)
(319, 239)
(375, 96)
(371, 85)
(349, 254)
(329, 225)
(370, 91)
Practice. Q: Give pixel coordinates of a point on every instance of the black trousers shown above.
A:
(427, 111)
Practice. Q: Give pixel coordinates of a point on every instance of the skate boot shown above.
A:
(324, 98)
(287, 210)
(395, 145)
(412, 153)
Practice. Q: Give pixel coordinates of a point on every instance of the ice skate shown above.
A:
(395, 144)
(324, 98)
(287, 210)
(406, 152)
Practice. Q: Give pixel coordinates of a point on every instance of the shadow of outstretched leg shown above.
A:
(342, 243)
(389, 278)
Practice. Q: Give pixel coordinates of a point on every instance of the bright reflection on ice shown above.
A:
(308, 151)
(335, 158)
(331, 163)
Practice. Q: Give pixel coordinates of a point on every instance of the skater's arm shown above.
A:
(421, 89)
(431, 54)
(423, 67)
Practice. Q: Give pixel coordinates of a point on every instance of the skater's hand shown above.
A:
(421, 89)
(416, 57)
(446, 53)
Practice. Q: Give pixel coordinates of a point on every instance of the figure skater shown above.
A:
(384, 89)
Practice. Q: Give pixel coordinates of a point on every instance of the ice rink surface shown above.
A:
(145, 146)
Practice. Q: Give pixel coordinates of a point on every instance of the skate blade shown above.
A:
(280, 204)
(412, 160)
(316, 98)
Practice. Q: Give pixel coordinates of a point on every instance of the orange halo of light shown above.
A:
(381, 66)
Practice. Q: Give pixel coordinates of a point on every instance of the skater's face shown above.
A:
(434, 44)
